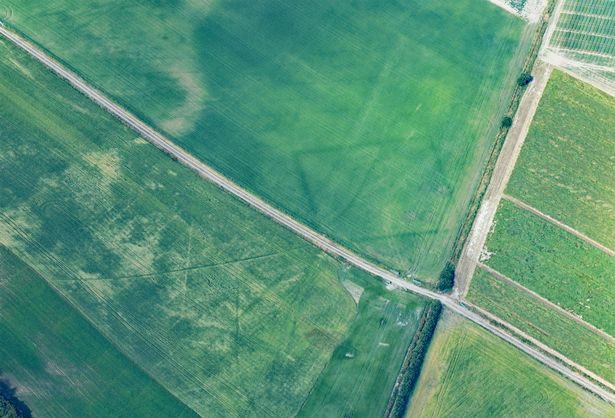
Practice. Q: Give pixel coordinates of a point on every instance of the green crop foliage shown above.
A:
(580, 344)
(470, 373)
(368, 121)
(586, 33)
(225, 309)
(67, 367)
(566, 164)
(359, 378)
(553, 263)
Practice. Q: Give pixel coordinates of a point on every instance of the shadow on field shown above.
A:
(9, 393)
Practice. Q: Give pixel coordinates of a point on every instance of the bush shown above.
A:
(447, 277)
(525, 79)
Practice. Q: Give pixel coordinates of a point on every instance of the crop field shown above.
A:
(585, 34)
(577, 342)
(360, 376)
(223, 308)
(62, 364)
(566, 164)
(553, 263)
(586, 27)
(470, 373)
(368, 121)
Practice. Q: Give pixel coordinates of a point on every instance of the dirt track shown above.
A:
(563, 365)
(501, 174)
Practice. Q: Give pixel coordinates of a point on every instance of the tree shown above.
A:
(447, 277)
(525, 79)
(506, 122)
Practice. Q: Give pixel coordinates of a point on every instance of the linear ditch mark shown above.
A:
(580, 235)
(319, 240)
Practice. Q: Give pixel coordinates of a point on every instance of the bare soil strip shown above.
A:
(547, 302)
(555, 222)
(501, 174)
(572, 12)
(565, 367)
(581, 32)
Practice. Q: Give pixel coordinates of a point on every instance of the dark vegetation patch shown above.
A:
(10, 405)
(411, 368)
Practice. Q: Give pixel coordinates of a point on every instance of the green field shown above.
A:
(566, 165)
(359, 378)
(470, 373)
(575, 341)
(586, 27)
(368, 120)
(225, 309)
(60, 362)
(553, 263)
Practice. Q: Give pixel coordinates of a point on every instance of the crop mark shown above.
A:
(6, 12)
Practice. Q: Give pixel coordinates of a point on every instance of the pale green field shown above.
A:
(470, 373)
(232, 314)
(359, 377)
(580, 344)
(368, 120)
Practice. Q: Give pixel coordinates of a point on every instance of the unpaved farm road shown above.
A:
(306, 233)
(499, 179)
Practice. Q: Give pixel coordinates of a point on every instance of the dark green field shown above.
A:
(61, 364)
(225, 309)
(366, 120)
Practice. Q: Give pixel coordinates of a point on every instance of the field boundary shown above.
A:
(412, 365)
(565, 65)
(500, 276)
(204, 171)
(501, 137)
(522, 205)
(504, 167)
(544, 349)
